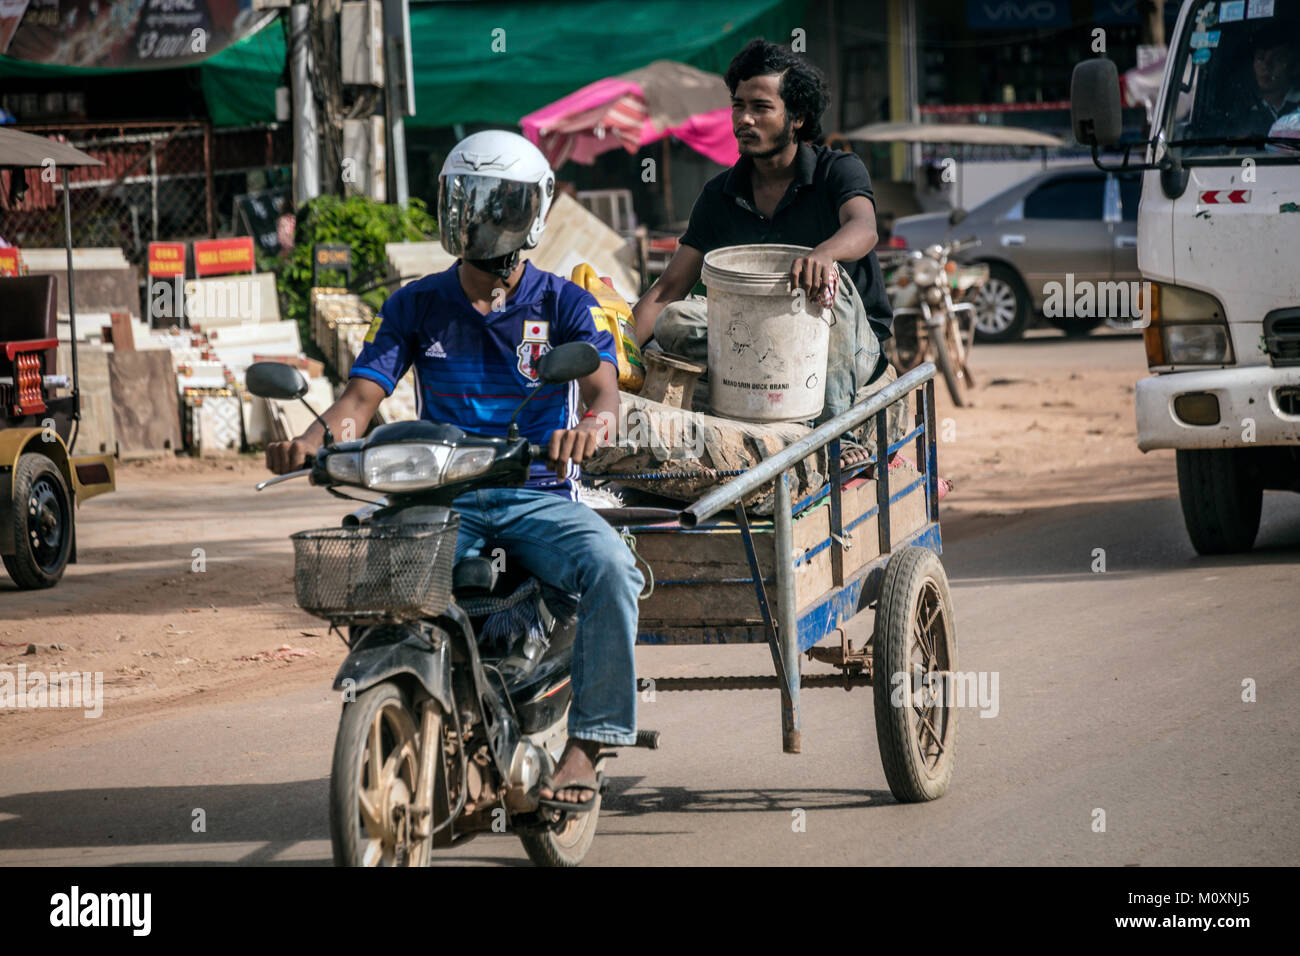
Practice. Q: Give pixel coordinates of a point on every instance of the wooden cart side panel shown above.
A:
(703, 578)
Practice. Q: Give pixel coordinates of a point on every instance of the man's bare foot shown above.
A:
(578, 762)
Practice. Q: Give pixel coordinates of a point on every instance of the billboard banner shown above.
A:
(135, 34)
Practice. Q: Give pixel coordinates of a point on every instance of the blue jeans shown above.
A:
(568, 546)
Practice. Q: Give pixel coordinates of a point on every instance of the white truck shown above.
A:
(1219, 249)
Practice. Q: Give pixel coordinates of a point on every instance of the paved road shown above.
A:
(1119, 691)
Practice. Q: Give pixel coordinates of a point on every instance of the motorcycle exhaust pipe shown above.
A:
(527, 766)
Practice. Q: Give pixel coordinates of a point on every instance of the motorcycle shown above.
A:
(933, 299)
(440, 739)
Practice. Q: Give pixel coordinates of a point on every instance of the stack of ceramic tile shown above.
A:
(333, 313)
(212, 422)
(288, 420)
(401, 405)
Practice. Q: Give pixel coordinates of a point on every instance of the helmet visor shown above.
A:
(482, 217)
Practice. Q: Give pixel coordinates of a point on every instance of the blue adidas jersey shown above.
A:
(473, 370)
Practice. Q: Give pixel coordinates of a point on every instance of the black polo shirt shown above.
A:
(807, 215)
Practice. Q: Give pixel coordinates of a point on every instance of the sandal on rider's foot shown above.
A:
(574, 806)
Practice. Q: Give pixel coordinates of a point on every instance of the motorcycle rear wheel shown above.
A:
(374, 783)
(567, 846)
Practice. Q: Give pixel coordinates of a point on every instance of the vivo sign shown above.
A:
(1017, 14)
(1126, 11)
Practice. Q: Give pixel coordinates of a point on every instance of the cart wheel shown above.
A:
(914, 650)
(42, 523)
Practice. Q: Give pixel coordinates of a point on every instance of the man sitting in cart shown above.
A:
(784, 189)
(475, 334)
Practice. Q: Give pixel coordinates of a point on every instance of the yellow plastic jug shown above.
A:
(615, 317)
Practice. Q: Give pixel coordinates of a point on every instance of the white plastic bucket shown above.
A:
(767, 355)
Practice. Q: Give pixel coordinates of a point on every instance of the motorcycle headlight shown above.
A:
(925, 272)
(404, 467)
(344, 467)
(468, 462)
(934, 294)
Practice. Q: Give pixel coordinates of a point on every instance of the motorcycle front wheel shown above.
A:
(948, 356)
(375, 783)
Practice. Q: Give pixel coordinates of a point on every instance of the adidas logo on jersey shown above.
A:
(435, 351)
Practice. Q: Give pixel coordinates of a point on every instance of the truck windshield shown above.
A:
(1237, 82)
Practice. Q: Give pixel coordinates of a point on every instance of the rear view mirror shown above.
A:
(275, 380)
(1094, 103)
(566, 362)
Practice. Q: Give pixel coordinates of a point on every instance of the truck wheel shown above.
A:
(913, 649)
(42, 525)
(1221, 495)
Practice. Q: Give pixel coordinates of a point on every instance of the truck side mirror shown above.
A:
(1094, 103)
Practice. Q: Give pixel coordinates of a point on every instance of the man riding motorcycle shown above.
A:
(475, 334)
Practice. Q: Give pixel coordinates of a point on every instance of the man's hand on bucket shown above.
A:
(817, 275)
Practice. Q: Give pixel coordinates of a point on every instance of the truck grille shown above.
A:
(1282, 336)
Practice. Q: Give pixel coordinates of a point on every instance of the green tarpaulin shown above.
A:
(496, 62)
(239, 83)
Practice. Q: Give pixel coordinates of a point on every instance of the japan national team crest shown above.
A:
(533, 347)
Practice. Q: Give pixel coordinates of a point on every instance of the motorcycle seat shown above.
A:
(473, 577)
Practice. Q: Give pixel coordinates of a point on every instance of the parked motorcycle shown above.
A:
(933, 299)
(456, 686)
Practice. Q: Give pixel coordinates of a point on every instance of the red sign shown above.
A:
(10, 261)
(217, 257)
(166, 259)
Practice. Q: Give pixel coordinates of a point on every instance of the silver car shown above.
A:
(1069, 225)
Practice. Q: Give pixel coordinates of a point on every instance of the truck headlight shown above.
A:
(1197, 345)
(404, 467)
(1187, 327)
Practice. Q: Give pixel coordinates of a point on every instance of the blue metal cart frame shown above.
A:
(790, 633)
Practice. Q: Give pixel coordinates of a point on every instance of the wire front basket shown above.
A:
(375, 572)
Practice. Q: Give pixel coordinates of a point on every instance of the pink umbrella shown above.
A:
(636, 108)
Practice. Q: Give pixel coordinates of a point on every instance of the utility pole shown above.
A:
(399, 93)
(306, 150)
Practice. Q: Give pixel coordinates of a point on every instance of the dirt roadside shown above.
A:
(183, 592)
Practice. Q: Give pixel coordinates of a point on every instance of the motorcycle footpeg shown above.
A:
(649, 739)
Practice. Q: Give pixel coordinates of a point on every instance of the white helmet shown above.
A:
(494, 192)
